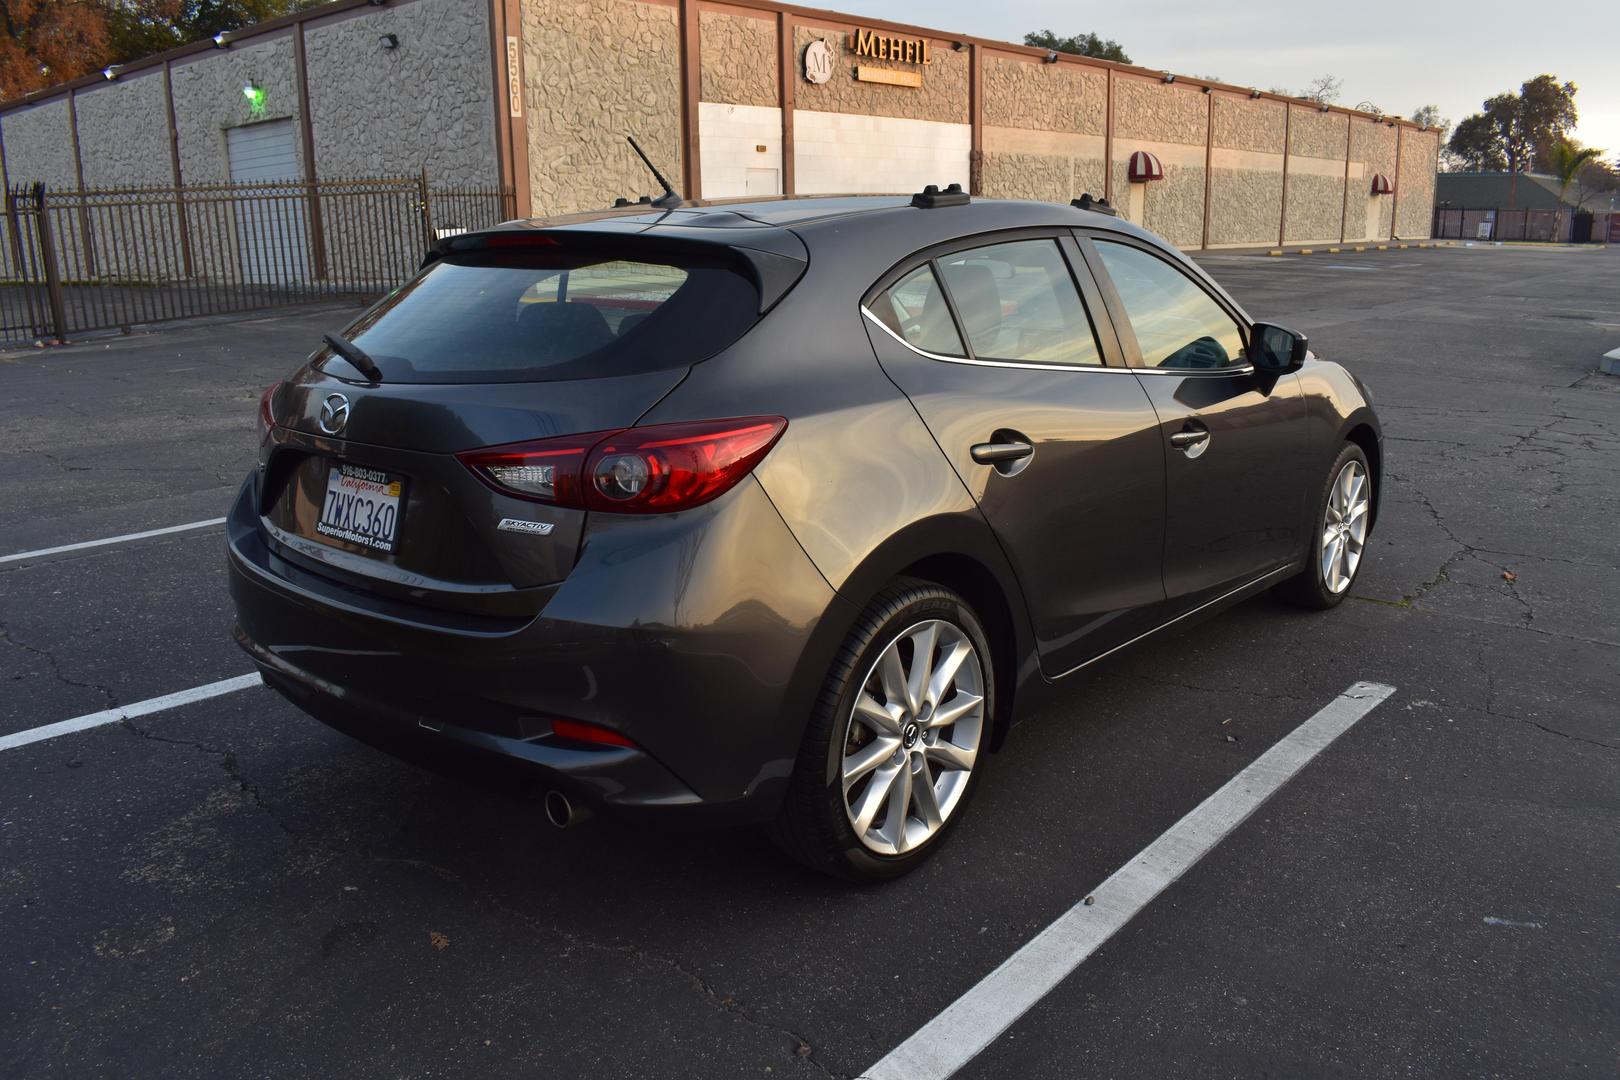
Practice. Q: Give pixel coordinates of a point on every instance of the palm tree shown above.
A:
(1569, 159)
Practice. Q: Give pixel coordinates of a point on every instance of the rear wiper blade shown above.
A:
(355, 355)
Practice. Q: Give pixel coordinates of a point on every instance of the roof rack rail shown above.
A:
(930, 197)
(1098, 206)
(621, 201)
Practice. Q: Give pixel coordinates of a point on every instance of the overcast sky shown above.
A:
(1398, 54)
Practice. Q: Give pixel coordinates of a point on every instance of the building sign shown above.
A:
(514, 77)
(818, 61)
(904, 50)
(887, 76)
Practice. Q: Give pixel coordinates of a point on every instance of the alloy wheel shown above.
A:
(913, 736)
(1344, 532)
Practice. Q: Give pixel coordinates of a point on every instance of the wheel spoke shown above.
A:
(894, 824)
(959, 706)
(946, 670)
(893, 676)
(873, 798)
(875, 716)
(922, 793)
(923, 643)
(950, 755)
(869, 757)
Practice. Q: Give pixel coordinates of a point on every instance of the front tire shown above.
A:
(896, 740)
(1343, 523)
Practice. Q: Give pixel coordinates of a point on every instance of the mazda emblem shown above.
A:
(334, 413)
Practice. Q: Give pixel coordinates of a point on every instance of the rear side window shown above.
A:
(1017, 301)
(533, 314)
(915, 308)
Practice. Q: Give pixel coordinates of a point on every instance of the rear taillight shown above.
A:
(646, 470)
(267, 418)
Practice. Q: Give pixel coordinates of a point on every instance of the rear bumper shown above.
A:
(701, 636)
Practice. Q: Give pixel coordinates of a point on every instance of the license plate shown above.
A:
(362, 507)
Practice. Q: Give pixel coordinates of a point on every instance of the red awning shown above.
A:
(1381, 184)
(1144, 167)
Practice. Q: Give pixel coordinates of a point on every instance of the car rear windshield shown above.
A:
(536, 314)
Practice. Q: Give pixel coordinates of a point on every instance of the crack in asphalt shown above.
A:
(56, 668)
(228, 762)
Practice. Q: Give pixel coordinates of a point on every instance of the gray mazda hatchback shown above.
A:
(778, 511)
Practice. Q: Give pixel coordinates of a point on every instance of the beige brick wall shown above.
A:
(739, 59)
(595, 71)
(1414, 188)
(39, 145)
(1044, 97)
(124, 133)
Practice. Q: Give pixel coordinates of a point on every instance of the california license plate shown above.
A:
(362, 507)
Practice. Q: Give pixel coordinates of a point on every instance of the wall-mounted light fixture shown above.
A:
(1253, 93)
(109, 73)
(221, 41)
(1169, 78)
(377, 3)
(958, 46)
(1051, 56)
(389, 41)
(1205, 89)
(254, 93)
(1326, 107)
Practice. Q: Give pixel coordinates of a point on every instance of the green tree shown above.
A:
(1568, 159)
(1429, 116)
(1079, 45)
(1517, 132)
(140, 28)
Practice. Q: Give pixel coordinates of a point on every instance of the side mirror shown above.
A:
(1276, 350)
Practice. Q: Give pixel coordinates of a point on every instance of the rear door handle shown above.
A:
(1000, 453)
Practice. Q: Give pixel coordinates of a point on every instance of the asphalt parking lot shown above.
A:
(227, 889)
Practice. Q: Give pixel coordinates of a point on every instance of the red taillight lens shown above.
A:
(650, 470)
(655, 470)
(588, 733)
(267, 418)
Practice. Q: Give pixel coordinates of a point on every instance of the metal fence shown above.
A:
(75, 261)
(1567, 226)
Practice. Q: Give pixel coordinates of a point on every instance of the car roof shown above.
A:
(804, 213)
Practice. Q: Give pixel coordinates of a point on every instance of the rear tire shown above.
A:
(897, 737)
(1342, 525)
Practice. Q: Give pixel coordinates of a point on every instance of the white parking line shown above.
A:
(42, 552)
(953, 1038)
(129, 712)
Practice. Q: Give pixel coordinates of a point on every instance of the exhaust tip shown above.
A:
(559, 810)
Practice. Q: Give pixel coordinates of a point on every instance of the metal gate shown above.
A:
(76, 261)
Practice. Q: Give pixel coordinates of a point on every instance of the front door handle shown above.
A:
(1000, 453)
(1192, 439)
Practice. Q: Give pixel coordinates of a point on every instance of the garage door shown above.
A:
(271, 241)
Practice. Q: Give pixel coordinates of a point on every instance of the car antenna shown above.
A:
(669, 200)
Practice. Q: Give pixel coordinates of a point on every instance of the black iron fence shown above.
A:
(1568, 226)
(75, 261)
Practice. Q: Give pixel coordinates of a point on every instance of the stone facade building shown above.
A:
(751, 97)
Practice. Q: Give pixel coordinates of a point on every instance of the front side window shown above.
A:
(1017, 301)
(1177, 323)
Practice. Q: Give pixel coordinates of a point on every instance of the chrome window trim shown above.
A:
(1178, 618)
(1246, 369)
